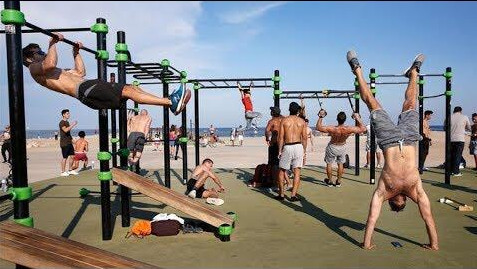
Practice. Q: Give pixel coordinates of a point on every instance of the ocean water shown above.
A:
(221, 132)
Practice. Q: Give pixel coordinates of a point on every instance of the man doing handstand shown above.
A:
(95, 93)
(400, 176)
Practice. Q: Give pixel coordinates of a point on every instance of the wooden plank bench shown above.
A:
(172, 198)
(35, 248)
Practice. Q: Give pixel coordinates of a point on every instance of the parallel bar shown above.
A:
(17, 113)
(433, 96)
(67, 41)
(103, 143)
(229, 79)
(448, 161)
(63, 30)
(233, 87)
(432, 75)
(392, 83)
(314, 97)
(314, 92)
(391, 75)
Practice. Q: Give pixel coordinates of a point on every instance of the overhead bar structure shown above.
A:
(63, 30)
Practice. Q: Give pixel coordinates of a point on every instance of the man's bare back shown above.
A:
(81, 145)
(272, 129)
(340, 133)
(140, 123)
(293, 130)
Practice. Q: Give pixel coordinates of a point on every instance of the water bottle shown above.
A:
(92, 164)
(4, 185)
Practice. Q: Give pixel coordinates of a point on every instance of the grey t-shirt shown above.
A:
(459, 124)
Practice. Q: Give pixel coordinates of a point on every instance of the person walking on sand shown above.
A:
(400, 176)
(66, 143)
(96, 94)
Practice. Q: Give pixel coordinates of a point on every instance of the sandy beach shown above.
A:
(44, 155)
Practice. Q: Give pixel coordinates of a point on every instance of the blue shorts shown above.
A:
(390, 135)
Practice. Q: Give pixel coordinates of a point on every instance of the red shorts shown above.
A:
(81, 156)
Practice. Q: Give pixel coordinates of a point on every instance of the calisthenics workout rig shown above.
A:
(373, 76)
(331, 94)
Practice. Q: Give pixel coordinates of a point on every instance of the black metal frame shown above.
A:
(330, 94)
(421, 116)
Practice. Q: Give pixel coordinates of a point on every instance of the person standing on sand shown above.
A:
(66, 143)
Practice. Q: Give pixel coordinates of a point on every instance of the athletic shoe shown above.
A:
(192, 194)
(179, 99)
(294, 199)
(418, 60)
(352, 60)
(328, 182)
(366, 166)
(215, 201)
(457, 175)
(461, 166)
(425, 169)
(64, 174)
(73, 172)
(338, 185)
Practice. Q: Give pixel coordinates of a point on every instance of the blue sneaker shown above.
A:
(352, 59)
(418, 60)
(179, 99)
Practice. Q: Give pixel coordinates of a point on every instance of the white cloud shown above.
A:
(241, 16)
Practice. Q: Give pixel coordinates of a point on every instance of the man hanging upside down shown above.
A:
(400, 176)
(96, 94)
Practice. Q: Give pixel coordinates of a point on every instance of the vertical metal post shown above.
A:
(13, 38)
(372, 171)
(356, 136)
(138, 164)
(448, 76)
(112, 79)
(196, 119)
(184, 145)
(421, 119)
(103, 141)
(276, 88)
(167, 150)
(123, 139)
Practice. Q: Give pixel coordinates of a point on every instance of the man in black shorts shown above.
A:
(96, 94)
(66, 143)
(195, 185)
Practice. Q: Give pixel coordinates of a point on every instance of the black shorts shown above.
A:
(190, 187)
(136, 141)
(67, 150)
(98, 94)
(273, 155)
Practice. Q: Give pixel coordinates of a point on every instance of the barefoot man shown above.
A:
(291, 149)
(336, 151)
(400, 176)
(138, 128)
(95, 93)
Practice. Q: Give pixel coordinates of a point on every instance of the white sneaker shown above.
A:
(215, 201)
(192, 194)
(457, 175)
(461, 166)
(64, 174)
(73, 172)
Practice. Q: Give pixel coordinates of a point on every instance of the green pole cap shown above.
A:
(373, 75)
(356, 83)
(135, 83)
(165, 63)
(196, 86)
(121, 57)
(103, 156)
(421, 82)
(373, 90)
(420, 97)
(83, 192)
(276, 78)
(121, 47)
(115, 140)
(448, 93)
(356, 96)
(184, 80)
(233, 215)
(448, 74)
(277, 92)
(21, 194)
(12, 16)
(183, 139)
(225, 229)
(102, 176)
(183, 74)
(99, 28)
(102, 55)
(123, 152)
(25, 221)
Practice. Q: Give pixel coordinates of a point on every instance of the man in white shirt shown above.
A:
(459, 124)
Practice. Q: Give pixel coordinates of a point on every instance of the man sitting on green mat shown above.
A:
(195, 185)
(95, 93)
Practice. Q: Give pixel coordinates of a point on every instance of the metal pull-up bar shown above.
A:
(30, 31)
(67, 41)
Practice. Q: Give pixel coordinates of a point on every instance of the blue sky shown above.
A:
(306, 41)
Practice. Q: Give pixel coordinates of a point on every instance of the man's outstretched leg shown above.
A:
(411, 92)
(364, 90)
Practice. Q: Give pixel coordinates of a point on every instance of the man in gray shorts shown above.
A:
(138, 128)
(400, 176)
(335, 151)
(292, 138)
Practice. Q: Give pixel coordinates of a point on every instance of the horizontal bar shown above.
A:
(230, 79)
(391, 75)
(168, 74)
(329, 91)
(398, 75)
(27, 31)
(433, 96)
(390, 83)
(234, 87)
(314, 97)
(431, 75)
(67, 41)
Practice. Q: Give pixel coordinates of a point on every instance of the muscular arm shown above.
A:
(216, 179)
(304, 137)
(425, 209)
(49, 63)
(360, 128)
(268, 132)
(67, 129)
(281, 139)
(148, 126)
(79, 64)
(320, 127)
(373, 215)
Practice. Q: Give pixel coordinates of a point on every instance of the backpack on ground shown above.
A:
(262, 176)
(165, 227)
